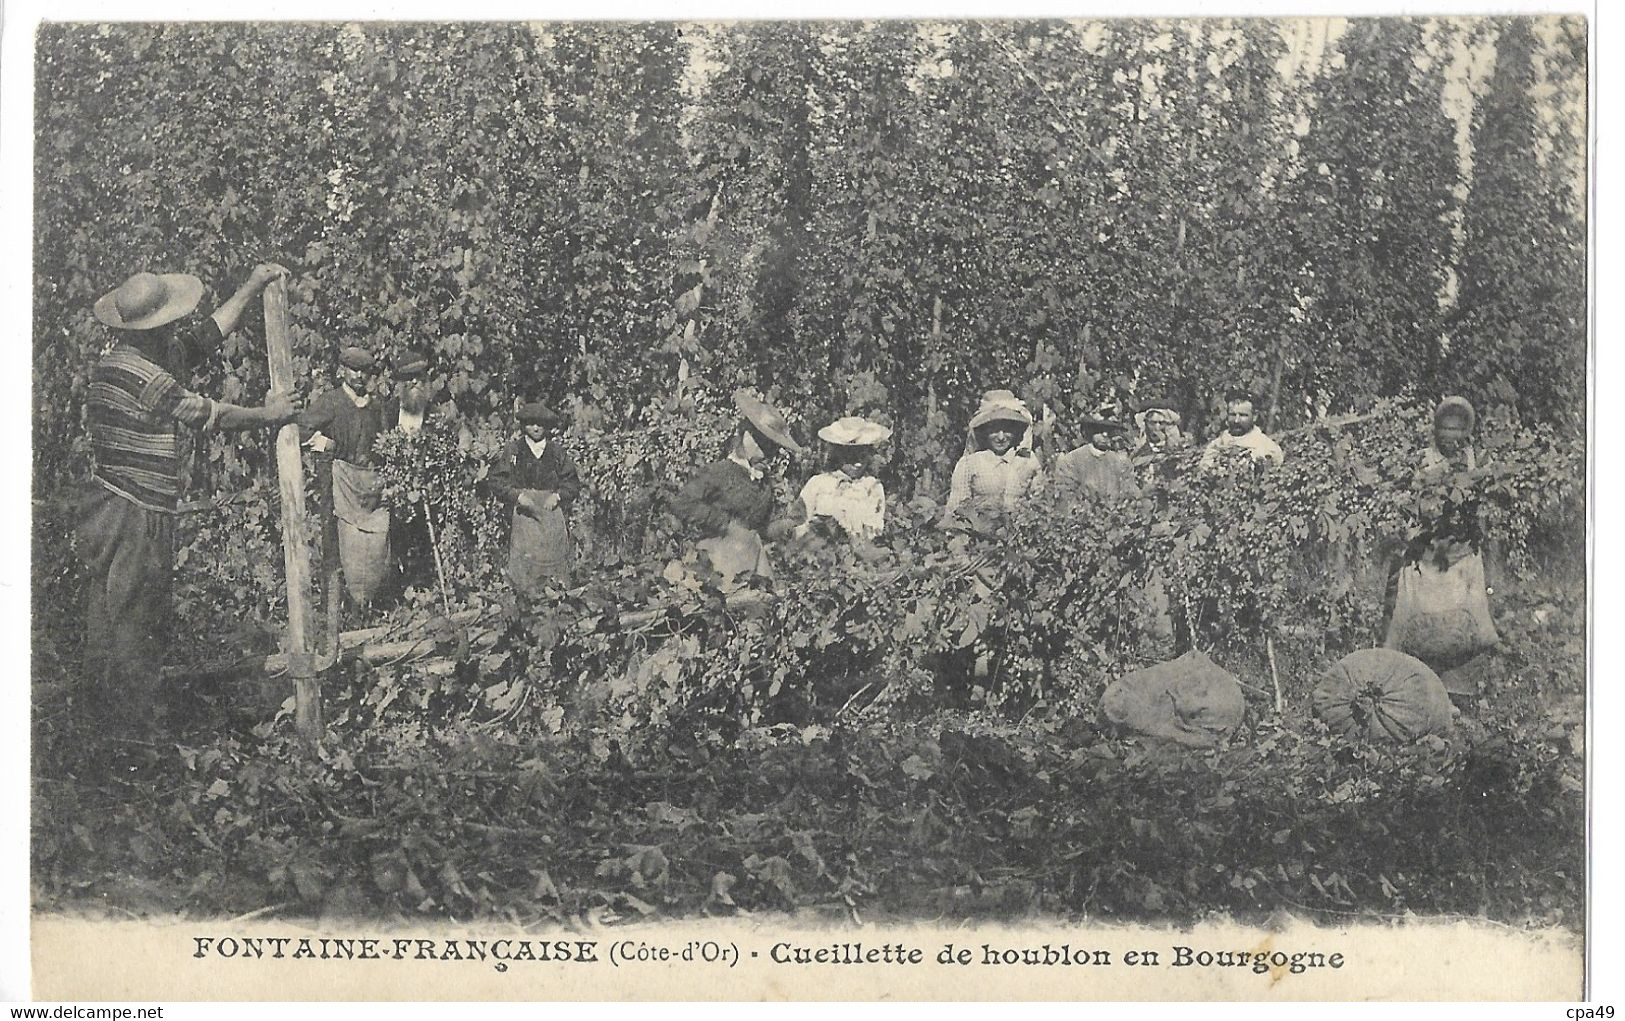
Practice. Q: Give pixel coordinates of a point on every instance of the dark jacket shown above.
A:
(351, 429)
(553, 471)
(720, 492)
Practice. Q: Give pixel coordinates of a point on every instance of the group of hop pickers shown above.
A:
(136, 407)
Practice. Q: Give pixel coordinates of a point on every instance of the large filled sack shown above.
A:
(1190, 700)
(1383, 695)
(1442, 614)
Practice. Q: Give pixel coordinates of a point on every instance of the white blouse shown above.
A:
(993, 482)
(857, 505)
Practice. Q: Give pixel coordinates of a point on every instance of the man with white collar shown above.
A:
(342, 424)
(1242, 433)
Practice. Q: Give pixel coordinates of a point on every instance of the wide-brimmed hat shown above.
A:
(149, 300)
(1456, 405)
(766, 419)
(854, 431)
(410, 364)
(535, 412)
(1001, 406)
(357, 358)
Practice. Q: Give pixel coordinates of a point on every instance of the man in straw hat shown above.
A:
(730, 503)
(999, 468)
(341, 424)
(849, 494)
(135, 407)
(538, 476)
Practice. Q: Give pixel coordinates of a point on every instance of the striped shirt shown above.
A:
(135, 408)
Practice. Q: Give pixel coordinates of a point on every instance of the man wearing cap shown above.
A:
(134, 408)
(341, 424)
(848, 494)
(999, 468)
(730, 503)
(1098, 470)
(538, 476)
(407, 407)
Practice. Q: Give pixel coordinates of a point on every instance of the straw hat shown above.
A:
(1458, 406)
(766, 419)
(149, 300)
(1001, 406)
(853, 431)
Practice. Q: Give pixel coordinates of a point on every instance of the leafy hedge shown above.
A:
(882, 215)
(962, 816)
(1298, 555)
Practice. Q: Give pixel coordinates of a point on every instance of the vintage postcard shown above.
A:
(914, 509)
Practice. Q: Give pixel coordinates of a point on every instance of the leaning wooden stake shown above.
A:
(307, 698)
(1275, 676)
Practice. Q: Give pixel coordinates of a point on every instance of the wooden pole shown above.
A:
(290, 472)
(332, 574)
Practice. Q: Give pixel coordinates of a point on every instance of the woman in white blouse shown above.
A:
(999, 468)
(848, 494)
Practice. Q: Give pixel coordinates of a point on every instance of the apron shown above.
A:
(539, 547)
(1442, 617)
(737, 556)
(363, 530)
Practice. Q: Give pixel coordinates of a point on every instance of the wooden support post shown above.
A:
(295, 556)
(332, 577)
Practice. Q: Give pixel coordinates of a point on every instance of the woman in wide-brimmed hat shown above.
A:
(1441, 607)
(848, 493)
(999, 468)
(729, 502)
(539, 478)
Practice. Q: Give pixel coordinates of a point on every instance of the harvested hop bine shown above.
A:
(437, 476)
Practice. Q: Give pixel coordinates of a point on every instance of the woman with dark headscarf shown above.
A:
(1441, 608)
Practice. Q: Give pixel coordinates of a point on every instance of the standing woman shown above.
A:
(729, 503)
(849, 494)
(999, 468)
(539, 478)
(1442, 608)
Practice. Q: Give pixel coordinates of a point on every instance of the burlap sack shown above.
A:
(1382, 695)
(1190, 700)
